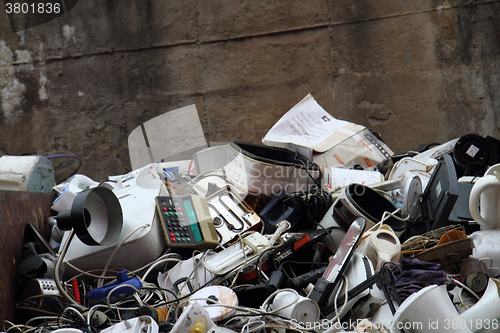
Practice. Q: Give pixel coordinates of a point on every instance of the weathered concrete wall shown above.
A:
(414, 71)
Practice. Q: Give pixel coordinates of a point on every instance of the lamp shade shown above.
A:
(95, 215)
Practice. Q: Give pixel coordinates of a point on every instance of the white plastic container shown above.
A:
(296, 307)
(140, 324)
(486, 245)
(145, 244)
(429, 310)
(26, 173)
(484, 202)
(380, 246)
(339, 177)
(485, 314)
(267, 176)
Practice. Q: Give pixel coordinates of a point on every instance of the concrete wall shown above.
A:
(414, 71)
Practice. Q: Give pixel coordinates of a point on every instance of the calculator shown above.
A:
(186, 221)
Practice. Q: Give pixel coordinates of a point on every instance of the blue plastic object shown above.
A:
(122, 279)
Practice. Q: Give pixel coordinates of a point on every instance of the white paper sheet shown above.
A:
(308, 125)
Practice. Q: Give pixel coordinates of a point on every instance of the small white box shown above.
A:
(339, 177)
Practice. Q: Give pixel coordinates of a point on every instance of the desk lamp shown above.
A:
(96, 218)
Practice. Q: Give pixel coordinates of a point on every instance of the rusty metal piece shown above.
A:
(447, 254)
(475, 275)
(17, 210)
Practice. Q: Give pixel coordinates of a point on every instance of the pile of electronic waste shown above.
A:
(321, 228)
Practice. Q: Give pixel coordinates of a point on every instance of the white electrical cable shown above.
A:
(92, 310)
(192, 181)
(196, 263)
(394, 216)
(251, 321)
(292, 328)
(386, 215)
(337, 313)
(264, 304)
(100, 282)
(57, 268)
(116, 288)
(212, 303)
(30, 298)
(117, 270)
(242, 266)
(148, 294)
(158, 262)
(281, 227)
(90, 274)
(287, 323)
(138, 299)
(41, 318)
(170, 272)
(74, 311)
(117, 306)
(461, 300)
(12, 325)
